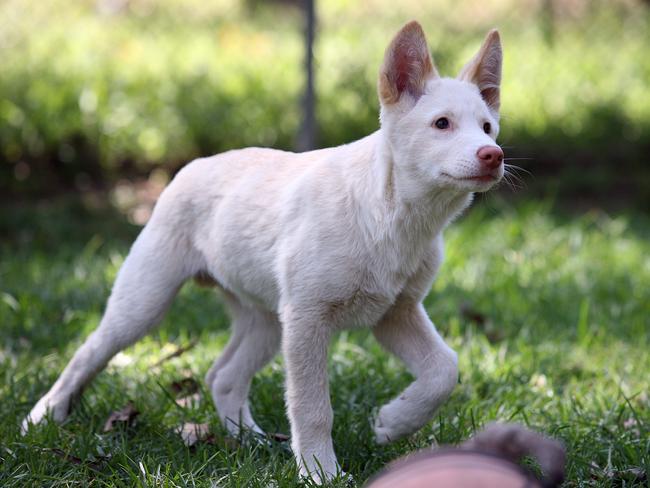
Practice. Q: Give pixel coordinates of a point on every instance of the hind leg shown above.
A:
(146, 284)
(254, 342)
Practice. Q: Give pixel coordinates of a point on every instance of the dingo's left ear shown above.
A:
(407, 65)
(484, 70)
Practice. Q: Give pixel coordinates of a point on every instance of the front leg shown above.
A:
(305, 341)
(407, 332)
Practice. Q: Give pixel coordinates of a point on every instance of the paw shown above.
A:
(242, 427)
(318, 464)
(383, 434)
(56, 407)
(320, 476)
(389, 426)
(236, 417)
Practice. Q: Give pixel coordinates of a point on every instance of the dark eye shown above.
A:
(442, 123)
(487, 128)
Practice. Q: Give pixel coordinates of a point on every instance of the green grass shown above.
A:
(564, 350)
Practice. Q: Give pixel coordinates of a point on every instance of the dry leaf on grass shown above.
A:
(189, 401)
(193, 434)
(483, 323)
(184, 387)
(125, 416)
(279, 437)
(187, 392)
(633, 474)
(95, 465)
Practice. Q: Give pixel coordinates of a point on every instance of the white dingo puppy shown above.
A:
(304, 245)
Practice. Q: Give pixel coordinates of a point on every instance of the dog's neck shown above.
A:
(393, 205)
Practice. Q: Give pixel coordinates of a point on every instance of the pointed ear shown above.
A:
(484, 70)
(407, 65)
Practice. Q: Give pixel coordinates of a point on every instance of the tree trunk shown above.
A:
(306, 139)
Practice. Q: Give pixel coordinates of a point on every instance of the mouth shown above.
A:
(481, 179)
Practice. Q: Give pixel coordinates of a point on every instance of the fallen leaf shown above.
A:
(126, 415)
(483, 322)
(636, 474)
(64, 455)
(189, 401)
(192, 433)
(279, 437)
(186, 386)
(95, 465)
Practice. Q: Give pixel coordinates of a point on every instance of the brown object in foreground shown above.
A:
(126, 415)
(485, 461)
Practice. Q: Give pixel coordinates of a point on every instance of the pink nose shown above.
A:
(490, 156)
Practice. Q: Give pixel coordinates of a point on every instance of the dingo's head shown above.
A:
(442, 131)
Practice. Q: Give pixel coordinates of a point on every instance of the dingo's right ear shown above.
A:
(407, 65)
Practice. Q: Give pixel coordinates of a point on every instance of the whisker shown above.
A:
(515, 173)
(516, 170)
(513, 186)
(513, 169)
(515, 180)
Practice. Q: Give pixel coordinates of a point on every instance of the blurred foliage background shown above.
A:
(95, 91)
